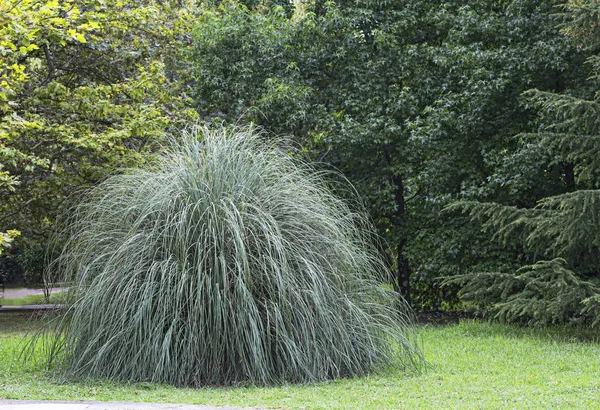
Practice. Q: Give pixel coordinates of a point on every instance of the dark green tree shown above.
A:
(416, 102)
(561, 231)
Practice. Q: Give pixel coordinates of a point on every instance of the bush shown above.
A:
(428, 294)
(228, 262)
(32, 261)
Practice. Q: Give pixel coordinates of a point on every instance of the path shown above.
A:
(25, 308)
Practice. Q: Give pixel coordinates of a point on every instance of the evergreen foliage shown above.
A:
(562, 232)
(543, 293)
(228, 261)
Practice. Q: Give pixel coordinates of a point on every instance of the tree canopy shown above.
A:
(416, 102)
(470, 129)
(561, 231)
(84, 90)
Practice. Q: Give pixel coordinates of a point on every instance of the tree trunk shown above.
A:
(402, 284)
(569, 172)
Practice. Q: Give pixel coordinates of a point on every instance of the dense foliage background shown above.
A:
(84, 91)
(469, 128)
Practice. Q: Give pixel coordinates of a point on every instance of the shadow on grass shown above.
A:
(13, 323)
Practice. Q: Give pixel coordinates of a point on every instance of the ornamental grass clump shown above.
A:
(226, 262)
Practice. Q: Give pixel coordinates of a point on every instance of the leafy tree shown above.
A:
(561, 232)
(84, 90)
(415, 101)
(6, 238)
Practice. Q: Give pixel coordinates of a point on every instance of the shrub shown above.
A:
(227, 262)
(32, 260)
(11, 270)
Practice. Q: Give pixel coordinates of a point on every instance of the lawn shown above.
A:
(474, 365)
(27, 300)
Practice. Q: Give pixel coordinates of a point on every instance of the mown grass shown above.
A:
(28, 300)
(474, 365)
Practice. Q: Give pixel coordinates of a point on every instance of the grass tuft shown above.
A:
(228, 262)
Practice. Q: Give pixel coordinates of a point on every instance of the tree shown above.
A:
(561, 232)
(225, 263)
(6, 238)
(84, 90)
(414, 101)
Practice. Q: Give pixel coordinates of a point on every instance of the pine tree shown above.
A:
(561, 233)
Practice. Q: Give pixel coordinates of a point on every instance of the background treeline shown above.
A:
(469, 128)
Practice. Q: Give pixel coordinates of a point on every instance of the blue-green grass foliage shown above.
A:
(226, 262)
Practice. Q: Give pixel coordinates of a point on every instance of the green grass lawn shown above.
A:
(30, 299)
(474, 365)
(27, 300)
